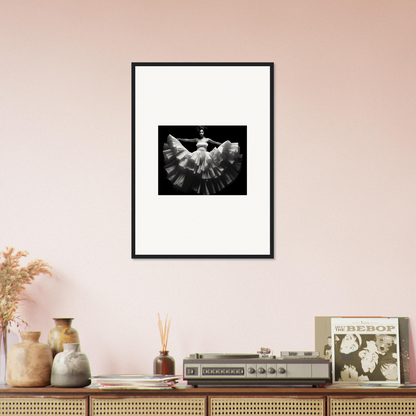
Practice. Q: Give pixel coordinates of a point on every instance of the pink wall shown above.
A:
(345, 175)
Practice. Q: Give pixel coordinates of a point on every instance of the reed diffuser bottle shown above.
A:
(164, 364)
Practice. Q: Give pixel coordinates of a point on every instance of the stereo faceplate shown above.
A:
(305, 370)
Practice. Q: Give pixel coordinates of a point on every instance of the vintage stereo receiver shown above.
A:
(262, 369)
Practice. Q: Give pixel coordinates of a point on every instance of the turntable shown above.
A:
(292, 368)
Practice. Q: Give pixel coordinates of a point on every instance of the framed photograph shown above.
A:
(202, 160)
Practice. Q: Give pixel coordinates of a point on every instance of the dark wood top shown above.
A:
(328, 390)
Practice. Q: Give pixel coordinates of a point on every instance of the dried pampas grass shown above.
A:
(13, 279)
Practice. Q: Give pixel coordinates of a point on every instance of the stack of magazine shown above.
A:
(365, 350)
(132, 381)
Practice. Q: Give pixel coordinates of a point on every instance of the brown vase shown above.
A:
(29, 363)
(63, 333)
(164, 364)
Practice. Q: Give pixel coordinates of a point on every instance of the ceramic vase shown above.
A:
(63, 333)
(164, 364)
(71, 368)
(29, 363)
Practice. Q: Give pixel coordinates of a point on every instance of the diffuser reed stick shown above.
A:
(164, 331)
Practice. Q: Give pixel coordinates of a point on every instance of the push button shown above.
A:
(191, 371)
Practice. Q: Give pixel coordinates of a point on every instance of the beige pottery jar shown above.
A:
(63, 333)
(29, 363)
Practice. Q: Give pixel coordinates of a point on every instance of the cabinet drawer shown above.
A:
(266, 406)
(24, 406)
(396, 406)
(159, 406)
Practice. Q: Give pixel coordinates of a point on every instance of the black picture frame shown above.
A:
(228, 210)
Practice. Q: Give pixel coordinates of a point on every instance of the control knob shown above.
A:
(271, 370)
(281, 370)
(251, 370)
(262, 370)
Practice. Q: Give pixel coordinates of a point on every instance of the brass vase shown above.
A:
(63, 333)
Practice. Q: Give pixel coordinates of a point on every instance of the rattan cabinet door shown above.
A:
(266, 406)
(154, 406)
(396, 406)
(25, 406)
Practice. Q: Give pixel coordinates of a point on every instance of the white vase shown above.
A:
(70, 368)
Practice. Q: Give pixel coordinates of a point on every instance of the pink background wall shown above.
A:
(345, 173)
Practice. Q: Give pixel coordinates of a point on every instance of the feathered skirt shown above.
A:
(204, 172)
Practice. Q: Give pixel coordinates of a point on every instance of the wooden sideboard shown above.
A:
(190, 401)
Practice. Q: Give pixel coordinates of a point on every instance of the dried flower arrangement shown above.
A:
(13, 279)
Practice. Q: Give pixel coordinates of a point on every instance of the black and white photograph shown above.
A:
(202, 153)
(202, 160)
(365, 350)
(324, 342)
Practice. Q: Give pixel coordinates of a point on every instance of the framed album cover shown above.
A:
(202, 160)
